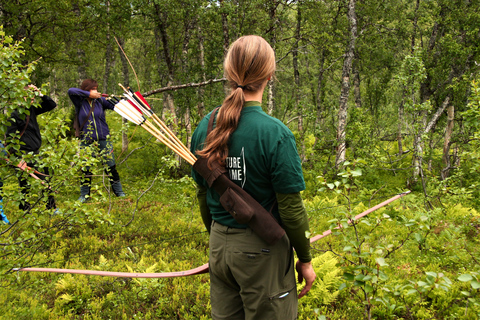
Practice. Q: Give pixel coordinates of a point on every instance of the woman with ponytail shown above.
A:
(250, 278)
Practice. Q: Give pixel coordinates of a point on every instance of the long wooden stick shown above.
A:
(363, 214)
(199, 270)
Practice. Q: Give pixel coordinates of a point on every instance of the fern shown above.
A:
(65, 284)
(325, 288)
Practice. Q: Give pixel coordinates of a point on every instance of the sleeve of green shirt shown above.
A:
(204, 211)
(295, 222)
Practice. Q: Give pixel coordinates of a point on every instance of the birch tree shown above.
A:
(345, 86)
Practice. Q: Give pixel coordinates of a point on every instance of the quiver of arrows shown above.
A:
(242, 206)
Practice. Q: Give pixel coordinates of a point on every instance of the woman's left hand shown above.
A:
(305, 271)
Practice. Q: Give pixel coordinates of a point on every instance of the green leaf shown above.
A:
(359, 277)
(465, 277)
(348, 276)
(356, 172)
(475, 284)
(381, 262)
(411, 291)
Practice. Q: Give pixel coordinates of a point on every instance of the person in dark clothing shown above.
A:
(90, 109)
(27, 127)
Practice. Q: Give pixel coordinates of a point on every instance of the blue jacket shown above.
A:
(96, 128)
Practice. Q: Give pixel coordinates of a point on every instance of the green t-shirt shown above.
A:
(262, 159)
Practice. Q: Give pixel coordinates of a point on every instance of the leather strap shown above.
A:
(88, 116)
(26, 124)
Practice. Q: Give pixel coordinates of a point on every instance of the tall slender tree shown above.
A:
(346, 70)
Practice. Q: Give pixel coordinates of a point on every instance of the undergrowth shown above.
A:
(402, 261)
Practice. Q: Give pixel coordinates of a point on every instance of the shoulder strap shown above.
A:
(211, 120)
(88, 116)
(26, 124)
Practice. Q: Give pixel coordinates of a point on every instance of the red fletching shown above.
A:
(136, 108)
(139, 95)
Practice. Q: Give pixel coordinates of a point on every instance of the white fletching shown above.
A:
(124, 107)
(118, 110)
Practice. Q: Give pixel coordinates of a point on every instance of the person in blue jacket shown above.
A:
(90, 109)
(3, 217)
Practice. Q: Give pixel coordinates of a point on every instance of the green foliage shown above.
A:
(14, 77)
(324, 290)
(402, 261)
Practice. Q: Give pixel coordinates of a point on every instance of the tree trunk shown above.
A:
(226, 38)
(108, 55)
(446, 144)
(418, 142)
(296, 74)
(126, 83)
(108, 64)
(425, 94)
(431, 145)
(189, 25)
(356, 83)
(168, 102)
(201, 90)
(319, 119)
(272, 12)
(400, 124)
(415, 27)
(347, 66)
(82, 71)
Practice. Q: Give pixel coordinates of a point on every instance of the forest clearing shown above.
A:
(382, 98)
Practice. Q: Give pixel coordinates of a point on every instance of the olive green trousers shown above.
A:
(250, 279)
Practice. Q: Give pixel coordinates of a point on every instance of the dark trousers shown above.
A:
(105, 149)
(25, 187)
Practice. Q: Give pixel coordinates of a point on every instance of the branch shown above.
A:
(143, 193)
(389, 252)
(437, 115)
(183, 86)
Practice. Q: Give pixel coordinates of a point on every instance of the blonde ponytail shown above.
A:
(249, 62)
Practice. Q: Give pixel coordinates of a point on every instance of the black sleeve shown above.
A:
(46, 105)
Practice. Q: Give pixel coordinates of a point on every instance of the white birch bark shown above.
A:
(346, 70)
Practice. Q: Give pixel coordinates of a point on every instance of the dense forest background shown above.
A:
(381, 95)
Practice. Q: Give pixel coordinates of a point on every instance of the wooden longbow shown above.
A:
(198, 270)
